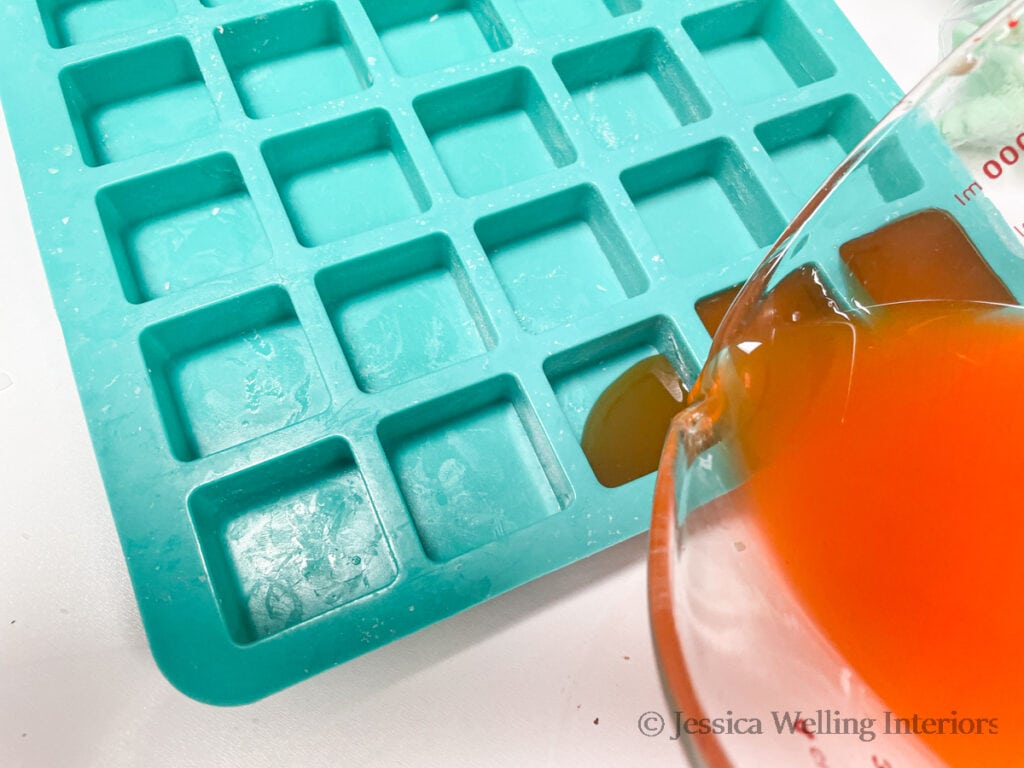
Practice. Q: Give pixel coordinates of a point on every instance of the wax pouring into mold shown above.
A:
(626, 428)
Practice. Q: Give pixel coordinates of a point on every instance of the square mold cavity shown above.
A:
(474, 467)
(630, 88)
(579, 376)
(703, 205)
(494, 132)
(808, 145)
(553, 17)
(560, 258)
(232, 372)
(926, 255)
(404, 313)
(70, 22)
(180, 227)
(758, 48)
(345, 177)
(298, 57)
(137, 101)
(425, 35)
(290, 539)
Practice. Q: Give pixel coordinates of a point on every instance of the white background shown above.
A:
(556, 673)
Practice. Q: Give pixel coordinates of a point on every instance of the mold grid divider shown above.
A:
(552, 418)
(555, 427)
(236, 143)
(421, 151)
(369, 44)
(215, 74)
(522, 34)
(514, 343)
(313, 318)
(360, 434)
(394, 515)
(560, 100)
(134, 170)
(616, 161)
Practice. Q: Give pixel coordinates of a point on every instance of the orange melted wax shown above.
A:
(891, 492)
(887, 472)
(626, 428)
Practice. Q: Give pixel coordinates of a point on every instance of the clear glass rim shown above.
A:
(948, 67)
(706, 752)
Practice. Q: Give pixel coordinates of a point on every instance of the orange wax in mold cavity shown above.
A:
(886, 472)
(626, 428)
(711, 309)
(926, 255)
(800, 294)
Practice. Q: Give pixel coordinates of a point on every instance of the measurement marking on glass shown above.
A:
(994, 168)
(968, 194)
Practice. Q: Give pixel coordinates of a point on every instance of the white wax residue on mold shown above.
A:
(6, 382)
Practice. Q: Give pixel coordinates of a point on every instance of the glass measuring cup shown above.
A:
(778, 641)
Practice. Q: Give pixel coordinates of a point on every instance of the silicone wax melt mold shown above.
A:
(341, 280)
(578, 376)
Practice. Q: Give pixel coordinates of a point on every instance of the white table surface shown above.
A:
(556, 673)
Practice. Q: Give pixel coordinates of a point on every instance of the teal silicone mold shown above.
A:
(341, 280)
